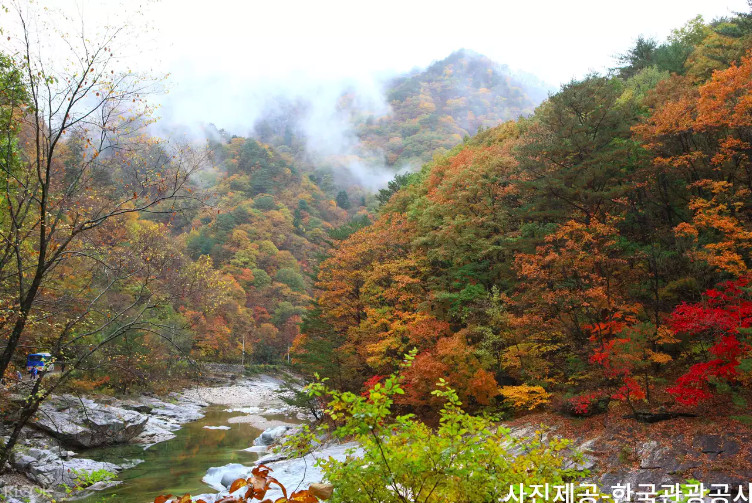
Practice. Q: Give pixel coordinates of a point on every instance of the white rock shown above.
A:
(221, 477)
(86, 423)
(292, 473)
(256, 448)
(300, 472)
(270, 435)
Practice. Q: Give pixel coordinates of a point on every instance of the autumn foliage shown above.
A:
(567, 258)
(720, 325)
(256, 486)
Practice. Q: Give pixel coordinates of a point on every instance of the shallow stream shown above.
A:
(177, 466)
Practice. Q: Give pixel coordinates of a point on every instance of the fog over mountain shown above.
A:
(235, 70)
(363, 130)
(458, 223)
(236, 65)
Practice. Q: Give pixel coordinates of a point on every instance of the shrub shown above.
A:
(466, 459)
(525, 396)
(260, 278)
(264, 202)
(291, 278)
(586, 404)
(85, 478)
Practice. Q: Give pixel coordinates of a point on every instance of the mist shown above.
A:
(233, 64)
(312, 105)
(320, 112)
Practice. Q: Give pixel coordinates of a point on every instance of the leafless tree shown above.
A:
(83, 163)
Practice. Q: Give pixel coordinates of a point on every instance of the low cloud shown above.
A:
(318, 112)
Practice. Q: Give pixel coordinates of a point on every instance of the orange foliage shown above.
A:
(369, 290)
(576, 279)
(702, 134)
(453, 360)
(718, 215)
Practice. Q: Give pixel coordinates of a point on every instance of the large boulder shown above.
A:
(48, 469)
(166, 418)
(85, 423)
(157, 430)
(221, 478)
(271, 435)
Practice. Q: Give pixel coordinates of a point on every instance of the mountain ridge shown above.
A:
(429, 109)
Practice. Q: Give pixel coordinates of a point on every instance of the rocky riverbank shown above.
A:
(51, 457)
(293, 473)
(616, 451)
(619, 450)
(50, 461)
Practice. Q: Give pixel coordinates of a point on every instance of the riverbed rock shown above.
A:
(179, 411)
(48, 470)
(138, 407)
(166, 418)
(257, 449)
(654, 453)
(85, 423)
(291, 473)
(221, 478)
(301, 471)
(271, 435)
(156, 430)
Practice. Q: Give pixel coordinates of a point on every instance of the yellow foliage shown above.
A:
(658, 357)
(665, 335)
(719, 216)
(525, 396)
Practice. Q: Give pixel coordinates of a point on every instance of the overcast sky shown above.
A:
(226, 57)
(554, 39)
(229, 60)
(237, 51)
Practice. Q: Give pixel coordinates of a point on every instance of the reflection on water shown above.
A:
(177, 466)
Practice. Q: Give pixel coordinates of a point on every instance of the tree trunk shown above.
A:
(29, 409)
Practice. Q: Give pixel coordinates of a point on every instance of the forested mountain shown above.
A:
(437, 107)
(578, 253)
(266, 227)
(430, 109)
(559, 256)
(150, 257)
(596, 251)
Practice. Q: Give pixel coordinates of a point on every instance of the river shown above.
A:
(176, 466)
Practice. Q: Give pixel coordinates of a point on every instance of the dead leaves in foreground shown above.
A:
(257, 486)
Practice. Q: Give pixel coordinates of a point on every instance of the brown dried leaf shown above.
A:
(237, 484)
(272, 480)
(259, 483)
(303, 497)
(321, 491)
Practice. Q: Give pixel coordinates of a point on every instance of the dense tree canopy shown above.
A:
(572, 254)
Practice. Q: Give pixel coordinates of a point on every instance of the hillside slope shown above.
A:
(594, 254)
(428, 109)
(437, 107)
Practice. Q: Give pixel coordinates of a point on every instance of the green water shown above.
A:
(177, 466)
